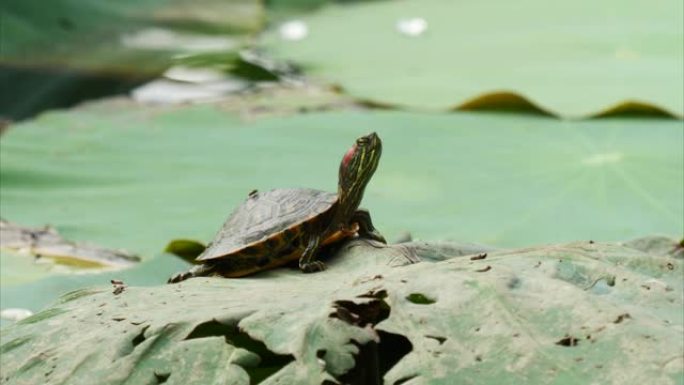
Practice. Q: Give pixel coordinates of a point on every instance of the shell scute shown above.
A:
(268, 217)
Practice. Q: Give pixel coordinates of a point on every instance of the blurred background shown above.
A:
(127, 125)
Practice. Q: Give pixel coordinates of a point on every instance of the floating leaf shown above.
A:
(46, 242)
(575, 59)
(138, 178)
(30, 254)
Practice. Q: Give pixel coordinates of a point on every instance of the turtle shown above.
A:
(276, 227)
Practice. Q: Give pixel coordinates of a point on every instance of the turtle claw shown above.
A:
(376, 236)
(312, 267)
(180, 277)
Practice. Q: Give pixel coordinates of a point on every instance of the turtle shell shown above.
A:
(267, 215)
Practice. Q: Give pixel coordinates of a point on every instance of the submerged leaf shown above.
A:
(185, 249)
(128, 38)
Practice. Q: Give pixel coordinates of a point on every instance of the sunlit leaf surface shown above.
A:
(565, 314)
(139, 178)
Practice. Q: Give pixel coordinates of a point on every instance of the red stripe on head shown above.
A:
(348, 156)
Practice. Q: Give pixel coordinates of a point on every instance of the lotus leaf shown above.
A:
(559, 314)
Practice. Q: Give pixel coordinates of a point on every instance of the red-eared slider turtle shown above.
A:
(272, 228)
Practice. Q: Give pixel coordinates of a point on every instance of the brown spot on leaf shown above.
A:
(622, 317)
(478, 257)
(119, 286)
(484, 269)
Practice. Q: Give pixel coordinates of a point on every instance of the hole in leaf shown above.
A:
(404, 380)
(361, 314)
(392, 348)
(161, 377)
(374, 359)
(270, 361)
(441, 340)
(137, 340)
(419, 299)
(380, 294)
(568, 341)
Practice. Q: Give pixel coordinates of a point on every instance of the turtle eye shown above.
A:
(362, 141)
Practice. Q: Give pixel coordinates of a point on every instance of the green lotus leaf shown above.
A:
(574, 59)
(139, 178)
(129, 38)
(533, 315)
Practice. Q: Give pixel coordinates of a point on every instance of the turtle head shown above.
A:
(357, 168)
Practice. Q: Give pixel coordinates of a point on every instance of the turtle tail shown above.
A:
(202, 270)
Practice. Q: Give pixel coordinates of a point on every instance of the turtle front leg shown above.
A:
(203, 270)
(366, 229)
(307, 263)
